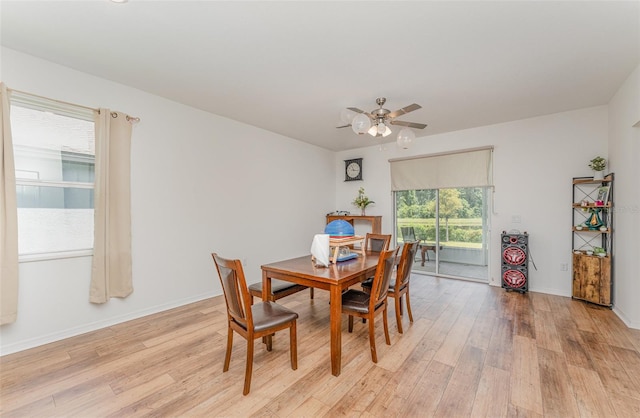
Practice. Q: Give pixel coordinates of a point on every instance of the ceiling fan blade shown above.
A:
(405, 110)
(343, 126)
(409, 124)
(355, 109)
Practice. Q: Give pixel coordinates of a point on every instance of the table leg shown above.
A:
(336, 332)
(266, 295)
(423, 250)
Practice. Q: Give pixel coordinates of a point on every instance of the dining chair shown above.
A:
(251, 321)
(367, 305)
(377, 242)
(279, 289)
(399, 285)
(409, 235)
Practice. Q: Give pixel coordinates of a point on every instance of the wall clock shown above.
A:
(353, 169)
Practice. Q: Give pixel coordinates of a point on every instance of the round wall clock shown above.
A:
(353, 169)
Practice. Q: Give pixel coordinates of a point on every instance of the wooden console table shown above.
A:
(376, 221)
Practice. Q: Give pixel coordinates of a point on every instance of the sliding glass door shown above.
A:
(452, 226)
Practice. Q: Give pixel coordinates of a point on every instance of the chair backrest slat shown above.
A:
(377, 242)
(382, 278)
(403, 273)
(236, 293)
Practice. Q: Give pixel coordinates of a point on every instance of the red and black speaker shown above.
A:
(515, 261)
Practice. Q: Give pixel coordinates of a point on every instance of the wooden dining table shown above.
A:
(336, 278)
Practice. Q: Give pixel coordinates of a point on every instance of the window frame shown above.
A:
(41, 104)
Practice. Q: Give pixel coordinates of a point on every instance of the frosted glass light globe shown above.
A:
(405, 138)
(361, 123)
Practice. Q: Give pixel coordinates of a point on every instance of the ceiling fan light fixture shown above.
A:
(360, 123)
(405, 138)
(376, 123)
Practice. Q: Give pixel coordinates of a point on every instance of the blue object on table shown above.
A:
(339, 228)
(347, 257)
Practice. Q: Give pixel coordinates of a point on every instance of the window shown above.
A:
(452, 226)
(442, 199)
(54, 152)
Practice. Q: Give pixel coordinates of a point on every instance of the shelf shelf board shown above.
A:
(589, 180)
(592, 206)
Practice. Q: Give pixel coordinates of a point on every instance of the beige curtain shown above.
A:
(111, 268)
(8, 219)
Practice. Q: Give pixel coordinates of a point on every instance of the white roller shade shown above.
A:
(468, 168)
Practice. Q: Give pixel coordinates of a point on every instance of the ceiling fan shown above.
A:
(375, 122)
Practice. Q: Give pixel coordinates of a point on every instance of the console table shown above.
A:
(376, 221)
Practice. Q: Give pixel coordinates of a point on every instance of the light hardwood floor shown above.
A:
(473, 350)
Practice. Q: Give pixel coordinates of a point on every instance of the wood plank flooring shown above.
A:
(473, 350)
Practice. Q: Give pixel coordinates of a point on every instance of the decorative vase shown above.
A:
(598, 175)
(362, 212)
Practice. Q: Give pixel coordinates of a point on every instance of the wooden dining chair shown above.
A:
(367, 305)
(377, 242)
(399, 285)
(251, 321)
(398, 288)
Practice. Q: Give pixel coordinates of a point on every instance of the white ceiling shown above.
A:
(291, 67)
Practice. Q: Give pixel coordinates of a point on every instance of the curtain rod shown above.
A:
(129, 118)
(438, 154)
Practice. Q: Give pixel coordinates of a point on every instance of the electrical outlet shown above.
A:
(244, 262)
(515, 219)
(564, 267)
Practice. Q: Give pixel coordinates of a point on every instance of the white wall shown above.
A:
(200, 183)
(534, 163)
(624, 154)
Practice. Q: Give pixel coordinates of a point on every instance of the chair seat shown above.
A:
(369, 282)
(356, 301)
(269, 314)
(277, 286)
(392, 289)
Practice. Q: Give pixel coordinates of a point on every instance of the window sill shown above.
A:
(28, 258)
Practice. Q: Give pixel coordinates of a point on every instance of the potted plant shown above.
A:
(599, 251)
(362, 201)
(597, 165)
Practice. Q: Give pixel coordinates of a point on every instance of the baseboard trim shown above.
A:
(94, 326)
(625, 319)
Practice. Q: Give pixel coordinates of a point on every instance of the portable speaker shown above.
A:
(515, 261)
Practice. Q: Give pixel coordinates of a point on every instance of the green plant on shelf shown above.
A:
(362, 201)
(598, 164)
